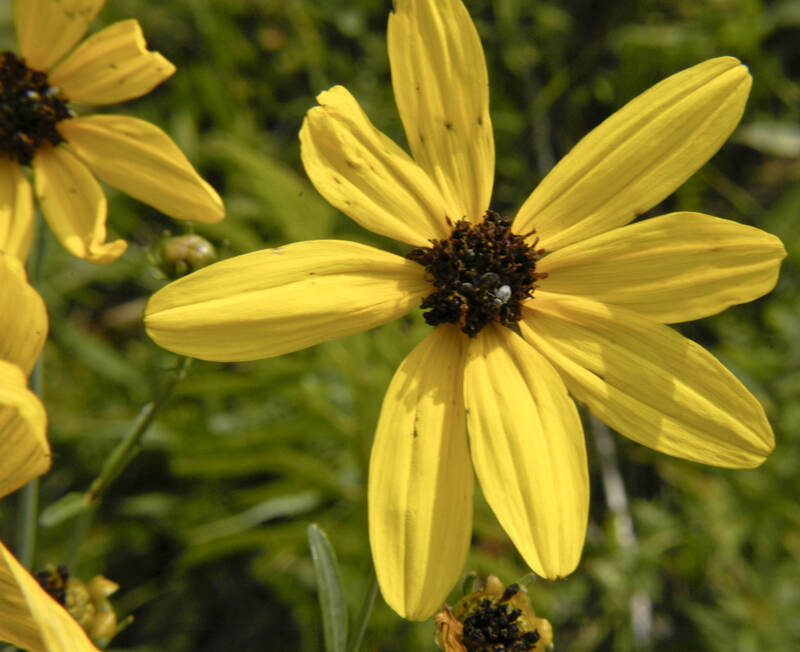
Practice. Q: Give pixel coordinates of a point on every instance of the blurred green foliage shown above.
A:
(207, 530)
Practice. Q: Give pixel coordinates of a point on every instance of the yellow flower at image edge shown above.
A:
(32, 619)
(567, 298)
(65, 152)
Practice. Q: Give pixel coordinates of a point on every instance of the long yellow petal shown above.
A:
(639, 155)
(113, 65)
(648, 382)
(16, 210)
(366, 175)
(74, 205)
(142, 161)
(24, 451)
(442, 92)
(23, 329)
(275, 301)
(528, 450)
(47, 30)
(420, 479)
(30, 618)
(673, 268)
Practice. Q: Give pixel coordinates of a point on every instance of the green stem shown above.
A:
(130, 446)
(124, 453)
(365, 612)
(29, 495)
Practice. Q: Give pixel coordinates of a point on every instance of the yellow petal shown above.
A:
(24, 451)
(673, 268)
(111, 66)
(16, 210)
(275, 301)
(420, 479)
(528, 450)
(47, 29)
(74, 205)
(366, 175)
(23, 336)
(648, 382)
(30, 618)
(142, 161)
(639, 155)
(442, 92)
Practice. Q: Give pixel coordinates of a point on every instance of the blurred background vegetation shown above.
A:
(206, 530)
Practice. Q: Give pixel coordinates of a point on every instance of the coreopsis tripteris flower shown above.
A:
(566, 298)
(38, 129)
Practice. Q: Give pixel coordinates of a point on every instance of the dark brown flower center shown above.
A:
(481, 274)
(29, 109)
(493, 627)
(54, 580)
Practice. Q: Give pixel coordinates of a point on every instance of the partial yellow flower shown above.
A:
(569, 297)
(30, 618)
(24, 451)
(65, 152)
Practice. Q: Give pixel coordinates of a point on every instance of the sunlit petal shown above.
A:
(442, 92)
(142, 161)
(21, 337)
(639, 155)
(673, 268)
(24, 451)
(274, 301)
(528, 450)
(30, 618)
(16, 210)
(74, 205)
(47, 30)
(111, 66)
(420, 479)
(366, 175)
(648, 382)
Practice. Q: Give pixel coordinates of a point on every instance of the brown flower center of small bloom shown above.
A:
(53, 579)
(493, 627)
(29, 109)
(481, 274)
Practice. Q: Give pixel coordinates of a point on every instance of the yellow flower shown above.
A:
(24, 451)
(30, 618)
(586, 299)
(65, 152)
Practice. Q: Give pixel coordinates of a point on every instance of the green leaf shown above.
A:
(64, 508)
(329, 583)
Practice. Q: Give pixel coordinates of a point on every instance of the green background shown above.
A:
(206, 530)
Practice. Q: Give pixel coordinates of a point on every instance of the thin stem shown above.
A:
(365, 612)
(124, 453)
(129, 447)
(29, 495)
(639, 604)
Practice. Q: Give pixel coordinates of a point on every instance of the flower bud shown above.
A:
(183, 254)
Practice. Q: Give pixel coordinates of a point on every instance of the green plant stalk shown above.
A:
(124, 453)
(29, 495)
(130, 446)
(362, 619)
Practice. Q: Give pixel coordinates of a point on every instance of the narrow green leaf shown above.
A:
(329, 584)
(64, 508)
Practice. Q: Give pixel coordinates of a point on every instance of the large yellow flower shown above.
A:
(38, 129)
(584, 298)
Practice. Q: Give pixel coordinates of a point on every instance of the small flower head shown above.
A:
(494, 618)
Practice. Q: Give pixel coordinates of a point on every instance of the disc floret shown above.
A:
(30, 108)
(481, 274)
